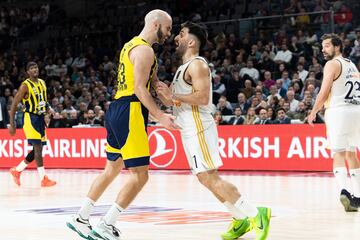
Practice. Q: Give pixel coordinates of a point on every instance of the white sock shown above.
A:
(113, 214)
(41, 171)
(235, 213)
(86, 208)
(341, 177)
(22, 165)
(355, 181)
(245, 207)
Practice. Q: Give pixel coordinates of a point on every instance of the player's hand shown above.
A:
(51, 111)
(12, 129)
(167, 121)
(163, 90)
(311, 118)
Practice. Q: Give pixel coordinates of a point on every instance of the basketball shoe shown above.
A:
(80, 226)
(16, 176)
(261, 223)
(46, 182)
(105, 231)
(237, 228)
(346, 200)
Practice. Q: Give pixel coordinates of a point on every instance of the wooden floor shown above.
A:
(174, 206)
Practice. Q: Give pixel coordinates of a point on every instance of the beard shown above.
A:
(329, 56)
(160, 35)
(180, 50)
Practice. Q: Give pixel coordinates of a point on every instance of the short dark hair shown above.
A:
(280, 109)
(198, 31)
(30, 64)
(335, 40)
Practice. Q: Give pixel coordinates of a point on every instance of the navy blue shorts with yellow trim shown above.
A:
(125, 123)
(34, 128)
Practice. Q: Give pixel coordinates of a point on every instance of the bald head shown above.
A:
(156, 15)
(158, 24)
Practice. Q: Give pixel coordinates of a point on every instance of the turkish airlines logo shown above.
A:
(164, 152)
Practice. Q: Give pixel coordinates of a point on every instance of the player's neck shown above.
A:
(188, 56)
(148, 37)
(34, 79)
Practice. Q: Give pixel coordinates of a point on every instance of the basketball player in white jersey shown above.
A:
(340, 94)
(191, 96)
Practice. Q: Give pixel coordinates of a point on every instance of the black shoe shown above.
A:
(346, 200)
(355, 202)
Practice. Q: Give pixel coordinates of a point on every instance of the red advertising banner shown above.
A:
(251, 147)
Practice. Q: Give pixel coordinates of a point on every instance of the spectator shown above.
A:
(250, 116)
(248, 90)
(219, 119)
(249, 72)
(281, 117)
(234, 86)
(293, 103)
(284, 55)
(218, 88)
(268, 81)
(237, 119)
(263, 117)
(224, 106)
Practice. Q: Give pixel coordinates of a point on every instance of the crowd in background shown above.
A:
(261, 77)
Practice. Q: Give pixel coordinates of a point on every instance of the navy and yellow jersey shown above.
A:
(126, 82)
(36, 102)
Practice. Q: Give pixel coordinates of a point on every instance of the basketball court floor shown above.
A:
(174, 206)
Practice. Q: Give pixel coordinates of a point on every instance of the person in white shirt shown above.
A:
(284, 55)
(250, 71)
(340, 94)
(302, 72)
(292, 101)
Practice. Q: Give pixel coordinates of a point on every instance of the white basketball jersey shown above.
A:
(192, 119)
(345, 90)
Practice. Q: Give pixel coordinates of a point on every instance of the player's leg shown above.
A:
(136, 155)
(80, 221)
(16, 171)
(354, 170)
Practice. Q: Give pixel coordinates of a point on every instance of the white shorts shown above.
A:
(343, 128)
(202, 150)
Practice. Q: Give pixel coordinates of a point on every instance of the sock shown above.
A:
(235, 213)
(245, 207)
(113, 214)
(86, 208)
(22, 165)
(341, 177)
(355, 181)
(41, 171)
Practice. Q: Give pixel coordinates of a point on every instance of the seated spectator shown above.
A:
(249, 72)
(219, 119)
(242, 102)
(286, 81)
(268, 81)
(234, 86)
(224, 106)
(237, 119)
(266, 63)
(292, 101)
(302, 72)
(248, 90)
(281, 117)
(263, 117)
(273, 93)
(284, 55)
(280, 90)
(271, 114)
(300, 112)
(218, 88)
(250, 116)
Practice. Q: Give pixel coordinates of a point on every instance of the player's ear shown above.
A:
(192, 42)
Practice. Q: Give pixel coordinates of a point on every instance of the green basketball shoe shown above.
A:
(237, 228)
(261, 223)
